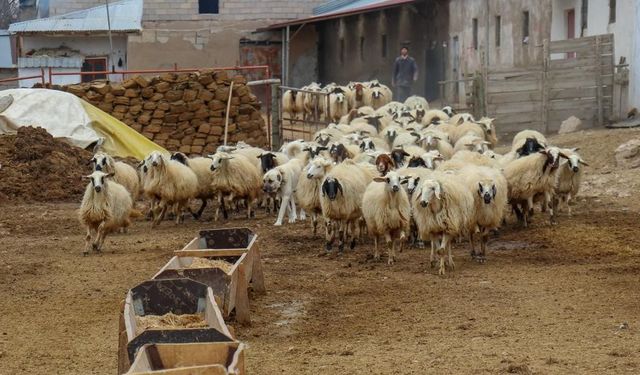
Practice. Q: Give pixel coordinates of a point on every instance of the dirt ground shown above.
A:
(561, 299)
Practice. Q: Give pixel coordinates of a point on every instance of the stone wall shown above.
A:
(181, 112)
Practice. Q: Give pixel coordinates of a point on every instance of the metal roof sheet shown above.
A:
(125, 15)
(360, 6)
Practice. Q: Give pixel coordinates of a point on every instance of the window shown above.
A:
(475, 33)
(525, 27)
(498, 26)
(384, 45)
(584, 15)
(612, 11)
(208, 6)
(94, 64)
(341, 51)
(362, 48)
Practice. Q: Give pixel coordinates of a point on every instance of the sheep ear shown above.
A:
(575, 149)
(379, 179)
(468, 145)
(86, 177)
(583, 162)
(479, 188)
(405, 180)
(110, 175)
(260, 156)
(460, 121)
(436, 137)
(438, 190)
(562, 155)
(91, 161)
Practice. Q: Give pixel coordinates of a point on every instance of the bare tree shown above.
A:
(8, 12)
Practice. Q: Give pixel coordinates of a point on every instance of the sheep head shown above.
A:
(487, 191)
(102, 162)
(218, 159)
(448, 110)
(393, 181)
(317, 167)
(267, 161)
(180, 158)
(98, 180)
(429, 190)
(330, 188)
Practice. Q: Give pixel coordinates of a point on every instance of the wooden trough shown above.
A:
(160, 297)
(233, 242)
(189, 359)
(230, 287)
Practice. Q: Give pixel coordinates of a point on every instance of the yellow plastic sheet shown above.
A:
(119, 139)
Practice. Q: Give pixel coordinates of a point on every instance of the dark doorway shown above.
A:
(433, 70)
(94, 64)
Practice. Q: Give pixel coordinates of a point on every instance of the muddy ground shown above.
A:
(561, 299)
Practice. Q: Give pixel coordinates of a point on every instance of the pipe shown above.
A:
(286, 81)
(113, 67)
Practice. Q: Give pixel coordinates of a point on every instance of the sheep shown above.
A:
(234, 177)
(173, 182)
(406, 139)
(338, 104)
(106, 207)
(373, 144)
(568, 178)
(199, 166)
(474, 158)
(290, 103)
(429, 160)
(520, 138)
(414, 101)
(362, 127)
(471, 142)
(292, 149)
(489, 130)
(386, 211)
(307, 191)
(531, 175)
(282, 180)
(490, 201)
(357, 95)
(436, 140)
(448, 110)
(341, 196)
(433, 115)
(398, 155)
(412, 178)
(390, 133)
(384, 163)
(526, 147)
(311, 103)
(460, 118)
(324, 136)
(442, 209)
(464, 129)
(124, 174)
(377, 97)
(339, 152)
(314, 150)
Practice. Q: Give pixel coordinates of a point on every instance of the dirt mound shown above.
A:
(36, 166)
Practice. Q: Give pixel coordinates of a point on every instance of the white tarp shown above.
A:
(60, 113)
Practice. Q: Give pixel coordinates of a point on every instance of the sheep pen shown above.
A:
(536, 305)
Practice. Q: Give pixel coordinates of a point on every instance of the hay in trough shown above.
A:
(169, 321)
(211, 263)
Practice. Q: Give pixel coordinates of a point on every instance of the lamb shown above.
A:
(489, 203)
(201, 167)
(568, 178)
(531, 175)
(174, 183)
(106, 207)
(234, 177)
(341, 196)
(308, 188)
(386, 211)
(282, 180)
(442, 209)
(124, 174)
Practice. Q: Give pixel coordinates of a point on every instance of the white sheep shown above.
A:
(378, 96)
(490, 199)
(568, 178)
(465, 129)
(442, 209)
(308, 188)
(234, 177)
(434, 115)
(432, 139)
(386, 210)
(106, 207)
(282, 181)
(201, 167)
(338, 105)
(124, 174)
(414, 101)
(289, 103)
(531, 175)
(341, 196)
(471, 142)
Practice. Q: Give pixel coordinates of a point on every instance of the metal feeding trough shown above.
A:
(192, 358)
(160, 297)
(232, 242)
(230, 286)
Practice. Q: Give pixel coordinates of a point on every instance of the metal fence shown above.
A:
(303, 123)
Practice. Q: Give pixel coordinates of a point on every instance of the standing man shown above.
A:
(405, 72)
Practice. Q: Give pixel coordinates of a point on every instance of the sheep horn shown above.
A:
(438, 191)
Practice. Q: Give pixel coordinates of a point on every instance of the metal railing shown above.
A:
(313, 119)
(41, 76)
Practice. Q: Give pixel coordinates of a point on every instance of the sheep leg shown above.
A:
(293, 215)
(303, 214)
(341, 235)
(198, 214)
(99, 240)
(549, 200)
(473, 246)
(160, 215)
(330, 234)
(87, 242)
(446, 244)
(352, 233)
(483, 246)
(314, 221)
(283, 207)
(179, 211)
(568, 198)
(434, 245)
(376, 252)
(218, 199)
(391, 243)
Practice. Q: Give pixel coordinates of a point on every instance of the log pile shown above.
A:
(181, 111)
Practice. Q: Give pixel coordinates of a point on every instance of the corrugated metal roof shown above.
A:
(331, 6)
(125, 15)
(53, 62)
(358, 7)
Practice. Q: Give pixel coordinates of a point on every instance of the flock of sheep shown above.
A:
(402, 173)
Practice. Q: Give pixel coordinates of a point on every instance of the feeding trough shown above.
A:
(226, 276)
(183, 359)
(229, 242)
(169, 311)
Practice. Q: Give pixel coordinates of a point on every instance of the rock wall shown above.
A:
(181, 111)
